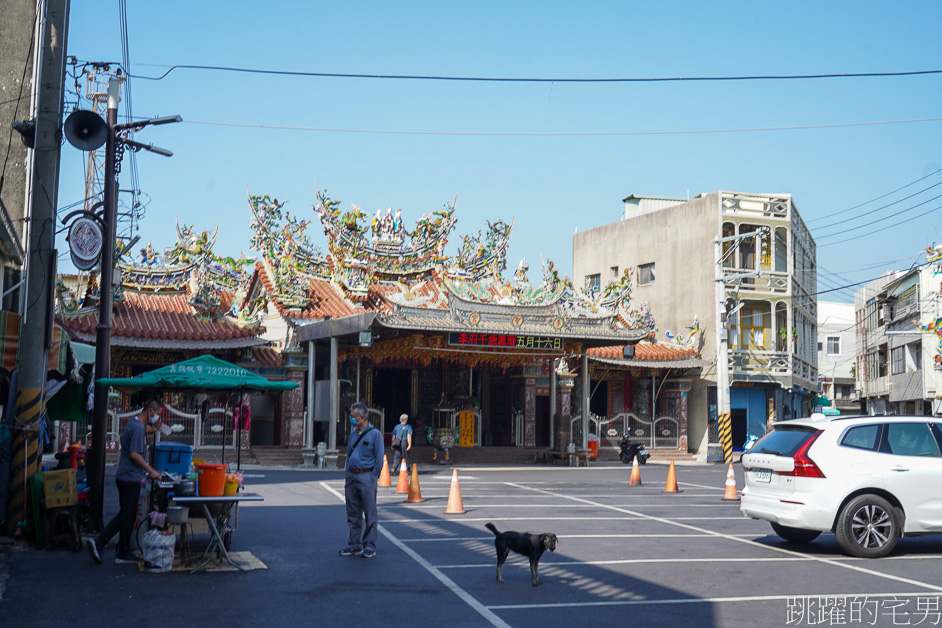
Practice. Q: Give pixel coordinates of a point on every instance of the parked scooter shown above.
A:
(749, 443)
(629, 450)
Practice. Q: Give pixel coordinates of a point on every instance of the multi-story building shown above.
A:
(899, 364)
(769, 282)
(837, 355)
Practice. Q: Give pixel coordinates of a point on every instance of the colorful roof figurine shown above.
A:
(187, 298)
(377, 264)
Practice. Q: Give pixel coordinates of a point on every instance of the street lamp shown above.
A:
(88, 133)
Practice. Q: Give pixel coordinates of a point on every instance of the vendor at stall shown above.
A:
(132, 469)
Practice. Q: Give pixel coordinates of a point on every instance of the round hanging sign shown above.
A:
(85, 239)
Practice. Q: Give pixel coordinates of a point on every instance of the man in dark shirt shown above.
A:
(132, 468)
(364, 462)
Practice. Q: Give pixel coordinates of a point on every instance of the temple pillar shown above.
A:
(292, 408)
(529, 413)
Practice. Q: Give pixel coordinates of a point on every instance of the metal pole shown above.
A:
(552, 403)
(309, 424)
(724, 422)
(585, 399)
(334, 398)
(103, 329)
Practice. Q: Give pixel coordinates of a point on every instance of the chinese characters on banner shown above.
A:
(505, 341)
(466, 425)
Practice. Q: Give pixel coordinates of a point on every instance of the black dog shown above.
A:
(525, 543)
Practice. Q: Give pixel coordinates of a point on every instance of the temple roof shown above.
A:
(657, 355)
(187, 298)
(161, 321)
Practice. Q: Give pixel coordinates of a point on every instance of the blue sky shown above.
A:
(551, 184)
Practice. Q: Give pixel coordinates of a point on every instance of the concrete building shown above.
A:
(668, 246)
(899, 355)
(837, 355)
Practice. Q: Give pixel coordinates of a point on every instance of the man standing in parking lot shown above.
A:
(365, 451)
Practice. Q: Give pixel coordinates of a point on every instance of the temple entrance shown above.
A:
(598, 403)
(392, 390)
(267, 424)
(542, 420)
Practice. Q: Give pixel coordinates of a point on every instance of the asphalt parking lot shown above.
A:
(626, 554)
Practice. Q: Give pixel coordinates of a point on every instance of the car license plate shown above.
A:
(763, 475)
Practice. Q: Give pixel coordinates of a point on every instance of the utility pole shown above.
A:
(36, 324)
(723, 313)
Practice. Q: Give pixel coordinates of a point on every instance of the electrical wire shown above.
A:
(413, 77)
(873, 211)
(560, 134)
(844, 211)
(926, 213)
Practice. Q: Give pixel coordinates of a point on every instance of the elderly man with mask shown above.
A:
(364, 462)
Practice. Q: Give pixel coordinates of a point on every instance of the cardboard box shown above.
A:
(59, 488)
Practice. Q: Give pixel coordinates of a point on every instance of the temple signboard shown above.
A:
(504, 341)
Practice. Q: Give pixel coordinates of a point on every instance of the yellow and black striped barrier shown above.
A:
(26, 454)
(725, 431)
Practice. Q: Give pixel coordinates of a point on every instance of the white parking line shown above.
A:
(629, 561)
(453, 539)
(482, 610)
(826, 561)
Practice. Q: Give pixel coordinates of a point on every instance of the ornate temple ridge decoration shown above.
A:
(190, 267)
(689, 338)
(286, 251)
(382, 248)
(482, 256)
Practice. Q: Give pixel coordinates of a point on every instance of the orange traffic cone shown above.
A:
(730, 494)
(671, 480)
(403, 485)
(455, 505)
(635, 474)
(384, 479)
(415, 494)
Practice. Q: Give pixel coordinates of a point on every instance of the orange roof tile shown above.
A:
(158, 317)
(645, 351)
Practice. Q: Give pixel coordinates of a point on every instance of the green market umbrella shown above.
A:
(205, 372)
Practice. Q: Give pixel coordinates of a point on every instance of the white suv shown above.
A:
(868, 479)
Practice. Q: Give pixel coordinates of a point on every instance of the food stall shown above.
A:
(217, 494)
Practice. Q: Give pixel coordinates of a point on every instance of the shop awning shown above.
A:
(57, 358)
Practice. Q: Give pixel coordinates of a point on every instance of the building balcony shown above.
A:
(769, 282)
(780, 366)
(878, 387)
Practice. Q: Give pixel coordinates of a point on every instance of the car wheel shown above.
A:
(868, 527)
(795, 535)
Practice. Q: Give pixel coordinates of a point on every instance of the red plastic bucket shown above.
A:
(593, 449)
(212, 479)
